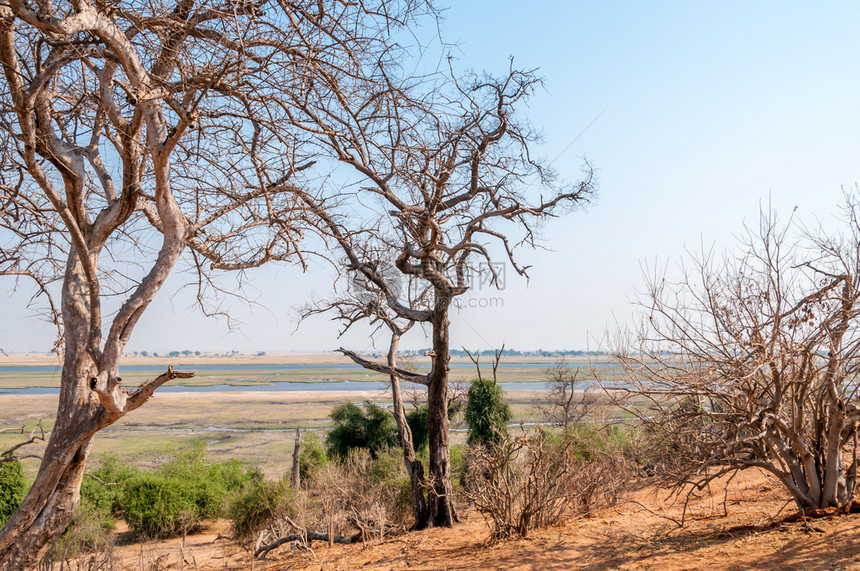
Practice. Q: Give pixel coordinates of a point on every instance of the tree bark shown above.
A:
(297, 454)
(414, 467)
(55, 494)
(52, 500)
(440, 494)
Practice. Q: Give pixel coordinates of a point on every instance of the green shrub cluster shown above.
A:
(312, 458)
(417, 419)
(181, 494)
(159, 506)
(368, 427)
(487, 413)
(99, 494)
(175, 498)
(589, 440)
(259, 502)
(13, 488)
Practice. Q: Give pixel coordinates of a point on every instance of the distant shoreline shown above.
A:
(309, 358)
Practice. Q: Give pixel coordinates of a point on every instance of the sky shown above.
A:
(695, 114)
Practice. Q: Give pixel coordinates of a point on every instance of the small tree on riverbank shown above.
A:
(449, 185)
(369, 427)
(570, 399)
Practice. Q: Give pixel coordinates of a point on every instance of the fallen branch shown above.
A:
(309, 536)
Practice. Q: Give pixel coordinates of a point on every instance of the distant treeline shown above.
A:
(515, 353)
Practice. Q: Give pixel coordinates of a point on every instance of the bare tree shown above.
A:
(446, 178)
(359, 304)
(132, 134)
(476, 360)
(751, 361)
(570, 400)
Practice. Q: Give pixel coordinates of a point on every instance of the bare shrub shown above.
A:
(571, 399)
(86, 546)
(370, 495)
(750, 360)
(359, 498)
(535, 480)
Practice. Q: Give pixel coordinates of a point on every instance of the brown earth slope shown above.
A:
(639, 533)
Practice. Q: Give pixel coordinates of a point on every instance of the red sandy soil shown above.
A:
(638, 533)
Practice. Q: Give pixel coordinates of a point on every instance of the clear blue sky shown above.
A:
(705, 110)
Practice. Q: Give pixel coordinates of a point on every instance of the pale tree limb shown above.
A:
(36, 435)
(387, 369)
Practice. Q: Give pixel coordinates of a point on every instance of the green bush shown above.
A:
(101, 498)
(156, 505)
(487, 413)
(259, 502)
(417, 421)
(13, 488)
(312, 457)
(181, 494)
(589, 440)
(458, 455)
(233, 474)
(387, 465)
(371, 428)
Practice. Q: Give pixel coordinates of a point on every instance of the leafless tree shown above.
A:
(446, 181)
(570, 399)
(133, 134)
(357, 305)
(476, 360)
(751, 361)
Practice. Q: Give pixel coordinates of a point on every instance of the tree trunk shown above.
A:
(439, 497)
(48, 508)
(414, 467)
(52, 500)
(297, 455)
(835, 489)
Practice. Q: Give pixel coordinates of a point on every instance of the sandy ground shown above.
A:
(627, 536)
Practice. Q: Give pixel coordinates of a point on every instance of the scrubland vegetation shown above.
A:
(145, 142)
(354, 486)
